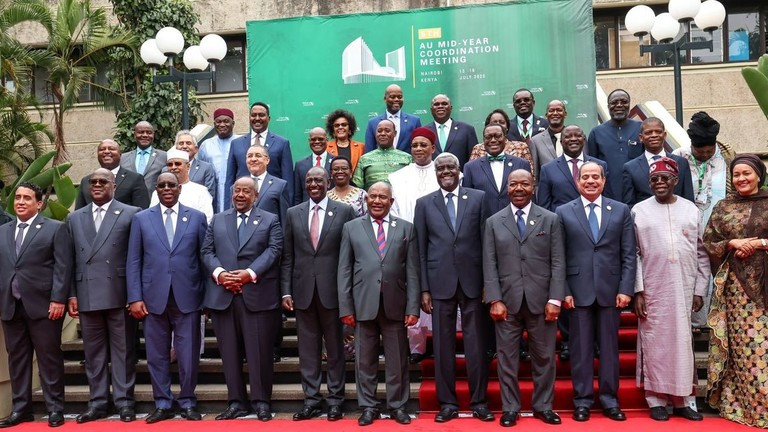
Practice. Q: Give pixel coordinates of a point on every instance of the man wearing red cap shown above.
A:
(672, 278)
(215, 151)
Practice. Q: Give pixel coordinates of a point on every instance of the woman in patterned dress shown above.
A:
(735, 239)
(344, 192)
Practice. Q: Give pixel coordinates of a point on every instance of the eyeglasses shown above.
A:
(100, 182)
(340, 125)
(658, 178)
(175, 164)
(167, 185)
(490, 136)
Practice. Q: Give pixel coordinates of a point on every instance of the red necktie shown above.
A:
(525, 131)
(317, 161)
(380, 239)
(314, 227)
(575, 170)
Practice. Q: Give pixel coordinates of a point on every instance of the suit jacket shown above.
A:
(280, 162)
(532, 267)
(300, 176)
(540, 124)
(130, 189)
(202, 172)
(155, 267)
(542, 150)
(273, 197)
(408, 123)
(43, 267)
(461, 139)
(636, 177)
(260, 253)
(305, 269)
(155, 165)
(609, 268)
(478, 175)
(451, 257)
(365, 277)
(556, 186)
(99, 280)
(357, 149)
(603, 144)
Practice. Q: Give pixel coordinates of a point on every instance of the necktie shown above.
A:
(380, 238)
(256, 180)
(19, 239)
(443, 137)
(241, 229)
(575, 170)
(655, 158)
(257, 139)
(98, 219)
(451, 209)
(317, 160)
(558, 146)
(142, 162)
(525, 130)
(497, 158)
(314, 226)
(520, 223)
(169, 226)
(593, 221)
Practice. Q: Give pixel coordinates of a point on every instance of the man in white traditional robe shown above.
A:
(672, 277)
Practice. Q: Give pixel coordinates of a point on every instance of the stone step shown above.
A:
(76, 345)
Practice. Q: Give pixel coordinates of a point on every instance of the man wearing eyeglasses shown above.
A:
(129, 186)
(192, 195)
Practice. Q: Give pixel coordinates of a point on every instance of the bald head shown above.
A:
(144, 134)
(108, 154)
(393, 97)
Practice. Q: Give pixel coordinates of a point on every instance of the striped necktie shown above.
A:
(380, 238)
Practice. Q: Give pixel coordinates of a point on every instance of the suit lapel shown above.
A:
(581, 216)
(264, 187)
(505, 176)
(368, 228)
(607, 212)
(393, 234)
(11, 239)
(253, 221)
(231, 224)
(330, 215)
(119, 178)
(156, 216)
(451, 135)
(486, 167)
(439, 203)
(461, 199)
(182, 222)
(29, 237)
(89, 227)
(562, 165)
(508, 220)
(107, 223)
(534, 218)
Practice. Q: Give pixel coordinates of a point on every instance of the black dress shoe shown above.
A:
(90, 415)
(368, 416)
(490, 355)
(16, 418)
(231, 413)
(191, 413)
(415, 358)
(307, 413)
(508, 418)
(446, 414)
(483, 413)
(127, 414)
(581, 414)
(659, 413)
(335, 413)
(160, 414)
(401, 416)
(524, 356)
(263, 414)
(548, 417)
(55, 418)
(565, 353)
(688, 413)
(614, 413)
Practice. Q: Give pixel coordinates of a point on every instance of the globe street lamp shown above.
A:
(167, 44)
(641, 20)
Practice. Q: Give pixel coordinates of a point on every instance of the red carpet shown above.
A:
(636, 422)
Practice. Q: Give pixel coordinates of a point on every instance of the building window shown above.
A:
(230, 72)
(605, 42)
(744, 36)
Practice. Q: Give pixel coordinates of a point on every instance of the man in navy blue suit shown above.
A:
(636, 187)
(318, 143)
(452, 135)
(279, 149)
(525, 125)
(558, 179)
(165, 288)
(404, 123)
(600, 281)
(273, 192)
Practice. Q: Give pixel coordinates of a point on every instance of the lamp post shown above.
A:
(641, 20)
(167, 44)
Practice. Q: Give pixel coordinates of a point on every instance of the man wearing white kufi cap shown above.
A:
(192, 194)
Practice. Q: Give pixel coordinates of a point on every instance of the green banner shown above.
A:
(306, 67)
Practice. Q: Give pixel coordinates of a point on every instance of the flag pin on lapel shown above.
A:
(256, 222)
(184, 219)
(531, 222)
(463, 197)
(608, 207)
(330, 213)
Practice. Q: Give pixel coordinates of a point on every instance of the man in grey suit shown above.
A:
(378, 284)
(602, 257)
(312, 236)
(241, 252)
(449, 226)
(98, 296)
(129, 186)
(200, 171)
(144, 159)
(546, 146)
(35, 275)
(524, 271)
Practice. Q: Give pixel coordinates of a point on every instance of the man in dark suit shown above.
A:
(312, 236)
(378, 284)
(279, 149)
(273, 194)
(129, 186)
(449, 226)
(525, 124)
(144, 159)
(547, 146)
(558, 179)
(200, 171)
(489, 174)
(98, 297)
(452, 136)
(165, 288)
(242, 252)
(404, 123)
(318, 143)
(600, 281)
(35, 275)
(636, 186)
(524, 271)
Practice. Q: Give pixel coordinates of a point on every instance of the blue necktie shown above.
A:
(241, 229)
(451, 209)
(655, 158)
(142, 162)
(593, 221)
(169, 226)
(520, 223)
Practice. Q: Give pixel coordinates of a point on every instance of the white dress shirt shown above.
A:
(395, 118)
(385, 225)
(598, 208)
(104, 207)
(448, 123)
(220, 270)
(261, 180)
(497, 168)
(262, 135)
(320, 213)
(649, 156)
(454, 198)
(30, 222)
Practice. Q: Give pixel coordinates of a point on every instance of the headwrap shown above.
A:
(664, 165)
(224, 111)
(703, 130)
(754, 162)
(177, 154)
(424, 132)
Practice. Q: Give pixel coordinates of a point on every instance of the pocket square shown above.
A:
(541, 233)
